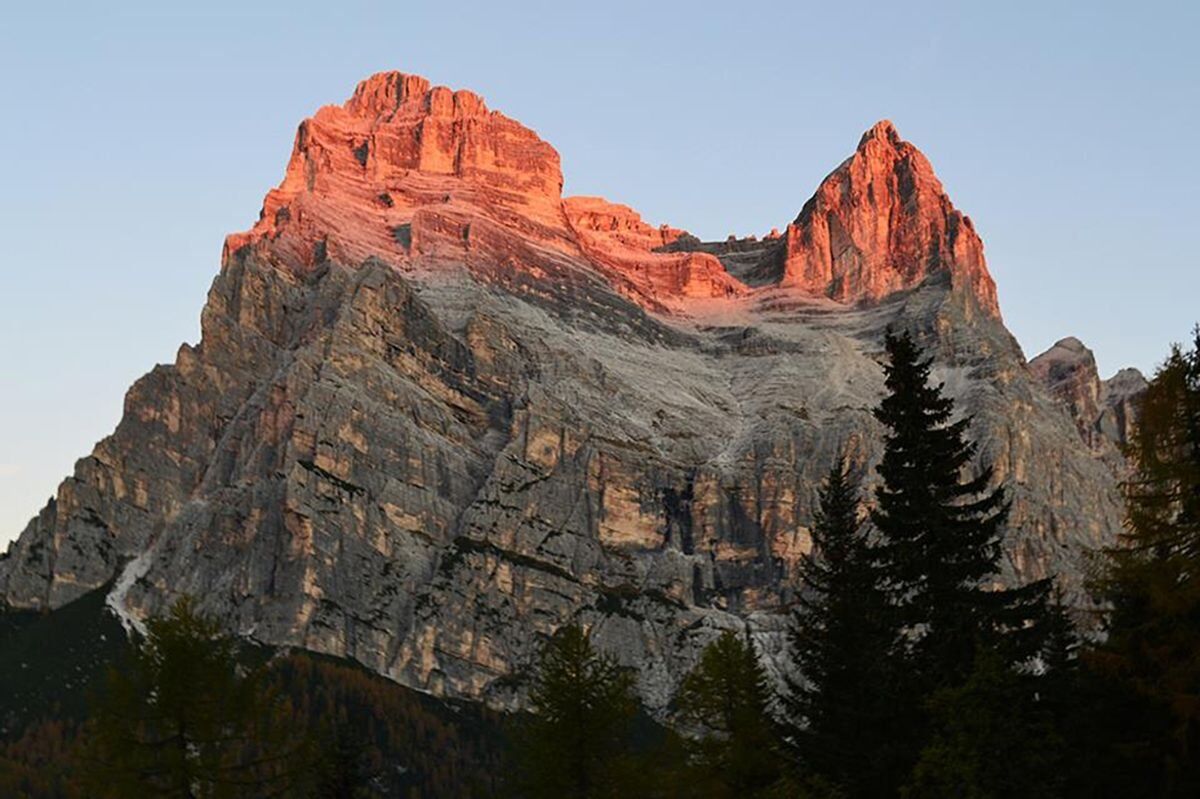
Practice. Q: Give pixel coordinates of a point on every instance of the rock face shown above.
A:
(1119, 397)
(403, 170)
(879, 223)
(658, 263)
(1103, 411)
(438, 411)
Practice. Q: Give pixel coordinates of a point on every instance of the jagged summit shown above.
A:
(419, 174)
(881, 223)
(439, 411)
(1066, 347)
(883, 130)
(1103, 410)
(384, 93)
(401, 170)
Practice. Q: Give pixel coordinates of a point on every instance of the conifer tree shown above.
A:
(728, 696)
(578, 742)
(1148, 668)
(966, 643)
(941, 532)
(843, 712)
(183, 719)
(992, 737)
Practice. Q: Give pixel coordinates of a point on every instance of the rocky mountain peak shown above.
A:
(1068, 370)
(438, 411)
(386, 93)
(403, 168)
(1103, 411)
(881, 223)
(1128, 382)
(883, 131)
(423, 175)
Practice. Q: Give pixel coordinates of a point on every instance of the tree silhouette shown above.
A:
(728, 696)
(184, 719)
(842, 713)
(579, 740)
(1148, 668)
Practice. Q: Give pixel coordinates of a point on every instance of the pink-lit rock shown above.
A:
(615, 238)
(401, 167)
(880, 223)
(421, 175)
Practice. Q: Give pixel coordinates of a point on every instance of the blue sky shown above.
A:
(136, 137)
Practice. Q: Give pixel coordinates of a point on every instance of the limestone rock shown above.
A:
(1103, 411)
(437, 411)
(1119, 397)
(880, 223)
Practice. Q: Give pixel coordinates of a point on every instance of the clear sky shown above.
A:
(135, 136)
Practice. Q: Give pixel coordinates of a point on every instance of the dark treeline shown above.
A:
(909, 671)
(190, 712)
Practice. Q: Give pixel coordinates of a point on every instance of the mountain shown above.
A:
(1103, 410)
(438, 410)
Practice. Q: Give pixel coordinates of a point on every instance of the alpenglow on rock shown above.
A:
(438, 411)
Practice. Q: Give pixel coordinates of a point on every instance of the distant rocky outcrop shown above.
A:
(438, 411)
(1103, 410)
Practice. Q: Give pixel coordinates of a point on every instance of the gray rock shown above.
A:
(428, 477)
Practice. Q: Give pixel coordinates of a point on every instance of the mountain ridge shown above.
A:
(404, 169)
(438, 411)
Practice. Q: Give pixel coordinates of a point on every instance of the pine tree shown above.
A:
(941, 533)
(578, 742)
(728, 696)
(1148, 668)
(843, 712)
(183, 719)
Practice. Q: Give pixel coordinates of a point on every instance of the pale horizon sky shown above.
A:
(137, 135)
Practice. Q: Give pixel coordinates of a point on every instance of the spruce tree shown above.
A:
(579, 740)
(342, 771)
(941, 531)
(728, 696)
(844, 714)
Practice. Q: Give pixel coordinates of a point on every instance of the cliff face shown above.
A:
(438, 411)
(880, 223)
(1103, 410)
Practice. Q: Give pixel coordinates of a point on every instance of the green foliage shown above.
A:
(843, 701)
(940, 532)
(579, 740)
(993, 739)
(1146, 674)
(728, 696)
(1163, 494)
(183, 720)
(886, 637)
